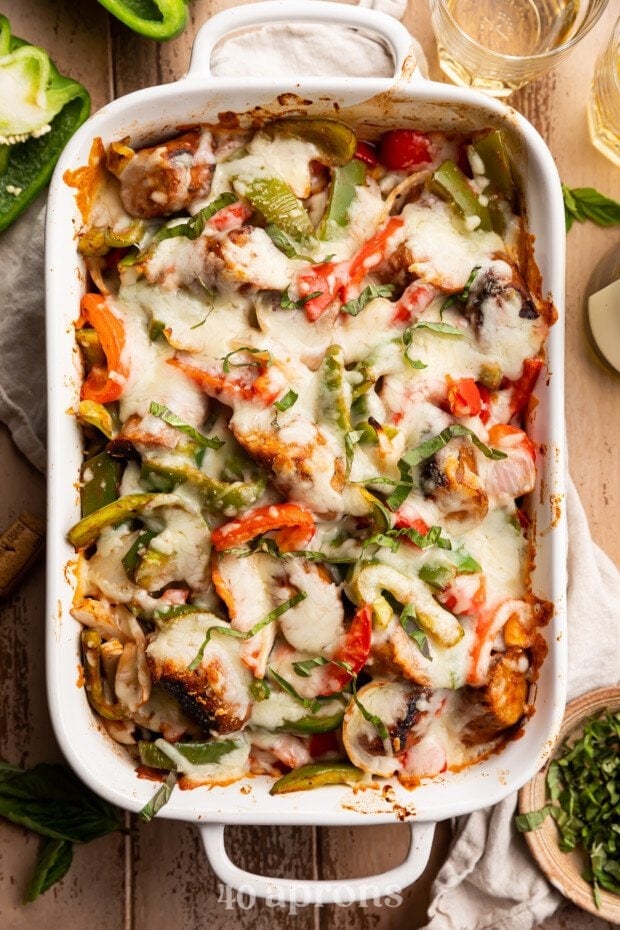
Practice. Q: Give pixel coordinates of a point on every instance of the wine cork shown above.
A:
(20, 545)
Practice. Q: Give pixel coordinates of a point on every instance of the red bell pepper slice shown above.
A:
(231, 217)
(367, 153)
(404, 149)
(332, 280)
(522, 388)
(104, 386)
(353, 652)
(464, 398)
(294, 526)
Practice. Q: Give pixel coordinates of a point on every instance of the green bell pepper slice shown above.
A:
(100, 477)
(313, 724)
(154, 19)
(492, 150)
(101, 240)
(131, 559)
(196, 753)
(279, 205)
(341, 195)
(40, 109)
(88, 528)
(451, 184)
(308, 777)
(91, 413)
(334, 139)
(218, 496)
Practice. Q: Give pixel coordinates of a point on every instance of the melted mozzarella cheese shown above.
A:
(442, 254)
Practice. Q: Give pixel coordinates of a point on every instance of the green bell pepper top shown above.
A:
(40, 109)
(154, 19)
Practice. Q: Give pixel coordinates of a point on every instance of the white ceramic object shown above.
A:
(371, 104)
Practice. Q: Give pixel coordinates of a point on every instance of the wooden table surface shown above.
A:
(157, 877)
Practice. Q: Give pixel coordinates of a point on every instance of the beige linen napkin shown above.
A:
(489, 880)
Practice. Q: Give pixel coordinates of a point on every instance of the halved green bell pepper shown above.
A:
(315, 776)
(155, 19)
(40, 109)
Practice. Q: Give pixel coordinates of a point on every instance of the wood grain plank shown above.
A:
(353, 852)
(26, 738)
(170, 863)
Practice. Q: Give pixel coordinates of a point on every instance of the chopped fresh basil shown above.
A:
(287, 304)
(172, 419)
(408, 621)
(463, 295)
(582, 782)
(304, 668)
(311, 704)
(237, 634)
(285, 243)
(443, 328)
(376, 721)
(194, 227)
(355, 306)
(262, 359)
(159, 799)
(424, 451)
(286, 402)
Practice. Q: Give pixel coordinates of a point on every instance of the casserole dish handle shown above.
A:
(393, 33)
(310, 891)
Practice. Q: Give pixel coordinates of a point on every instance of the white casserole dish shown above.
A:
(405, 100)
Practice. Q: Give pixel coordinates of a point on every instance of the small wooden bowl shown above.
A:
(564, 869)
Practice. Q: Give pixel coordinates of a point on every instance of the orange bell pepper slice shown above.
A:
(294, 526)
(101, 385)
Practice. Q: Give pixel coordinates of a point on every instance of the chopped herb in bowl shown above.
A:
(583, 787)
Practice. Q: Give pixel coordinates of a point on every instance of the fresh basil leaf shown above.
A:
(237, 634)
(304, 668)
(287, 304)
(376, 721)
(586, 203)
(531, 821)
(159, 799)
(311, 704)
(172, 419)
(444, 328)
(285, 243)
(425, 450)
(355, 306)
(263, 359)
(462, 296)
(53, 862)
(194, 227)
(286, 402)
(408, 621)
(50, 800)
